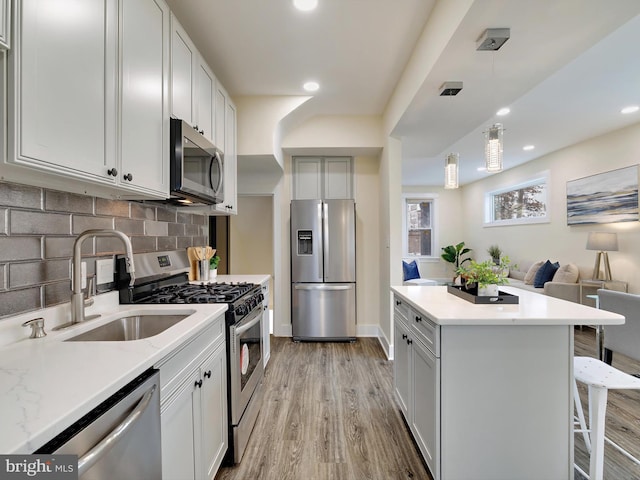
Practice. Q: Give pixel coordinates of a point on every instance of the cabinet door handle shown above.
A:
(198, 383)
(409, 342)
(404, 336)
(207, 374)
(128, 177)
(398, 302)
(113, 172)
(418, 319)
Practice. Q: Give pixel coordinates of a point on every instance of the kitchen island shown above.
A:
(487, 389)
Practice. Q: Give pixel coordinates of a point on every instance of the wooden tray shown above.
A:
(502, 297)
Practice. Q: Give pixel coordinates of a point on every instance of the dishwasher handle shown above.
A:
(108, 442)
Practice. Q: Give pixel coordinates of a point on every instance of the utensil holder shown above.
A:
(203, 270)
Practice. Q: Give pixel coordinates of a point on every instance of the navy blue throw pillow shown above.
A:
(545, 274)
(410, 270)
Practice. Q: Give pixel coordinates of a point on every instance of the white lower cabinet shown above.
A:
(178, 421)
(193, 408)
(416, 379)
(425, 390)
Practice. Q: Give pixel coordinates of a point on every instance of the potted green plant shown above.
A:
(486, 276)
(453, 254)
(213, 266)
(495, 253)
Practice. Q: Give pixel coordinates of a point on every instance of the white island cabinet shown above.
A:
(487, 389)
(5, 23)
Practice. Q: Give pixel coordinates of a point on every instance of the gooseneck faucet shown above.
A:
(77, 298)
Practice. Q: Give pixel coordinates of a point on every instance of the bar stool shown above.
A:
(600, 378)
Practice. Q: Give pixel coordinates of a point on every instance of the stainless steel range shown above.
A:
(162, 278)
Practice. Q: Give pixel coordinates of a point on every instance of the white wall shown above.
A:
(251, 237)
(556, 240)
(353, 132)
(390, 255)
(367, 247)
(450, 220)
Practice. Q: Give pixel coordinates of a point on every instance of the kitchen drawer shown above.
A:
(174, 367)
(401, 308)
(426, 330)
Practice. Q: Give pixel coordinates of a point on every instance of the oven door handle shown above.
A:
(240, 330)
(107, 443)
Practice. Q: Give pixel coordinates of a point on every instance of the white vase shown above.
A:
(213, 273)
(488, 291)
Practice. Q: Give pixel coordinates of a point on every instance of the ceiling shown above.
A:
(567, 70)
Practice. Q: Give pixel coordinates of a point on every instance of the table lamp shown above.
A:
(602, 242)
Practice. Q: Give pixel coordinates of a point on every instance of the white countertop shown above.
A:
(444, 308)
(46, 384)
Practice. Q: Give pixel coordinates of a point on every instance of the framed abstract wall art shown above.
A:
(607, 197)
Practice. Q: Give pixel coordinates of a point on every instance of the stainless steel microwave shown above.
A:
(197, 166)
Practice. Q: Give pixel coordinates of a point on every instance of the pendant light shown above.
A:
(493, 142)
(451, 171)
(491, 40)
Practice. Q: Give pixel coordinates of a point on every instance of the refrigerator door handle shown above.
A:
(319, 253)
(325, 239)
(323, 287)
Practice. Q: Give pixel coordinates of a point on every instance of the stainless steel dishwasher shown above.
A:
(120, 438)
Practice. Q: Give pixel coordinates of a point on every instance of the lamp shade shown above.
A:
(602, 241)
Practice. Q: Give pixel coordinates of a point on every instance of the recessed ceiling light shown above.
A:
(528, 147)
(503, 111)
(630, 109)
(305, 5)
(311, 86)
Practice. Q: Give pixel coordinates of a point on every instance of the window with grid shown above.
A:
(522, 203)
(419, 233)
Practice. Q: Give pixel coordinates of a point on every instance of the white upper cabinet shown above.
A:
(144, 109)
(63, 85)
(221, 99)
(88, 97)
(192, 83)
(230, 160)
(5, 23)
(183, 73)
(205, 103)
(322, 178)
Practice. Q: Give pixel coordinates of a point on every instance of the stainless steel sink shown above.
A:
(134, 327)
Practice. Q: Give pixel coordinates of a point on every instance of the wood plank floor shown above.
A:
(328, 413)
(622, 424)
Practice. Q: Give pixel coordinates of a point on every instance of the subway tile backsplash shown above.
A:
(38, 228)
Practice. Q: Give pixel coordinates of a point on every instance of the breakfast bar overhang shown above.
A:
(502, 397)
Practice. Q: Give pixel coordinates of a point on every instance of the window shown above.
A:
(522, 203)
(419, 226)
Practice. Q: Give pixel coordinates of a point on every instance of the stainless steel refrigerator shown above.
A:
(323, 270)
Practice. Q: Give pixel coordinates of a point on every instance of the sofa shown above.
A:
(564, 283)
